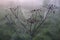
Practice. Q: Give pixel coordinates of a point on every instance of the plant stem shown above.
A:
(31, 32)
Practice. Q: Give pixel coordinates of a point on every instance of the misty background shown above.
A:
(28, 3)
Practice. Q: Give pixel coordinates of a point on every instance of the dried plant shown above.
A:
(31, 26)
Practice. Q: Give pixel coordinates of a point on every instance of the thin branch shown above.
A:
(39, 24)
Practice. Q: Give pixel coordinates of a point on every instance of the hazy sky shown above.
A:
(23, 3)
(26, 3)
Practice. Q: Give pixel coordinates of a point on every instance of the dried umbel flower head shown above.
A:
(32, 21)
